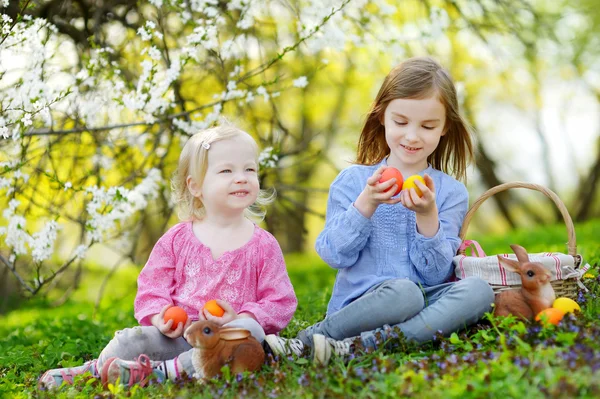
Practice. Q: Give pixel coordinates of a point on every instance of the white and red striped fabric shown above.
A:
(560, 265)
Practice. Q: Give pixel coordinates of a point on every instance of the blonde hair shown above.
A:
(417, 78)
(193, 162)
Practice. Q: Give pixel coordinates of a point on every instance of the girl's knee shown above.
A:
(402, 295)
(402, 286)
(477, 290)
(137, 333)
(141, 337)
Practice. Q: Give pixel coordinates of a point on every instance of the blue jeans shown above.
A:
(419, 312)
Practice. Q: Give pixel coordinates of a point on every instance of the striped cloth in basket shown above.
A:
(561, 266)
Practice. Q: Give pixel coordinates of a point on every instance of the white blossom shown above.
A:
(120, 202)
(144, 34)
(80, 252)
(261, 91)
(268, 158)
(301, 82)
(42, 243)
(154, 53)
(26, 120)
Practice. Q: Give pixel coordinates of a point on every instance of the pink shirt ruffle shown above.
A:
(181, 271)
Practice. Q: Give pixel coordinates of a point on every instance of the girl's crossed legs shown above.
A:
(418, 312)
(138, 352)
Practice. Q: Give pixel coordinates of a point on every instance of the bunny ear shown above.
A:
(231, 334)
(509, 264)
(520, 252)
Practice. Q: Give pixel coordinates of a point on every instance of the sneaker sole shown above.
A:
(50, 384)
(275, 345)
(104, 371)
(321, 350)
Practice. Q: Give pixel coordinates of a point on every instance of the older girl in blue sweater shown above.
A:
(393, 253)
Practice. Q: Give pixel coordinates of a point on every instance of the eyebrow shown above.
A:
(402, 116)
(231, 164)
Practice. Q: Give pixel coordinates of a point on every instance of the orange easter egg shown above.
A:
(177, 314)
(391, 173)
(213, 308)
(550, 315)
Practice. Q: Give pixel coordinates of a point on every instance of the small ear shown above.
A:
(192, 186)
(520, 252)
(231, 334)
(509, 264)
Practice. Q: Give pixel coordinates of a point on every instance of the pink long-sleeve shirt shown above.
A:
(181, 271)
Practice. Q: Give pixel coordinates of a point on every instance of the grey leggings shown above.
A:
(418, 312)
(131, 342)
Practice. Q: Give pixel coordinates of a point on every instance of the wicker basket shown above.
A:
(562, 288)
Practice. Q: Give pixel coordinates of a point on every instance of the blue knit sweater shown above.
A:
(387, 246)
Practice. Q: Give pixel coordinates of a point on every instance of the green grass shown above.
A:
(497, 358)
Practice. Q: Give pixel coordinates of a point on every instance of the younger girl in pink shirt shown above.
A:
(216, 253)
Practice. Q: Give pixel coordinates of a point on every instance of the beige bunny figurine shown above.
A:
(536, 293)
(216, 346)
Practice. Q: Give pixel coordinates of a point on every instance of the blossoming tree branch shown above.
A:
(87, 132)
(97, 100)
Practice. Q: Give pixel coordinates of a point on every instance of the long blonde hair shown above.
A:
(193, 161)
(416, 78)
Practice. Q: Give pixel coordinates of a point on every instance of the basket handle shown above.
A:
(571, 244)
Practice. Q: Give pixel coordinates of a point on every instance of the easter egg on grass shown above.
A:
(177, 314)
(410, 183)
(550, 315)
(390, 173)
(567, 305)
(213, 308)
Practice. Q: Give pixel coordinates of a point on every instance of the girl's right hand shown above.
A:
(158, 321)
(229, 315)
(376, 193)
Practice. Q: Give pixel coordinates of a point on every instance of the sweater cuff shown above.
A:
(425, 243)
(143, 317)
(357, 220)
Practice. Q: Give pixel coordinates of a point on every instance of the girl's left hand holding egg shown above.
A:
(424, 204)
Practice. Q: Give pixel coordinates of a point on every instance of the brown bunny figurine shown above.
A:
(216, 346)
(536, 293)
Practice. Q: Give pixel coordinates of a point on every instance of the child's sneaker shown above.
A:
(324, 347)
(130, 372)
(55, 377)
(284, 346)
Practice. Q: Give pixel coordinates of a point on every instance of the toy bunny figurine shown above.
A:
(215, 346)
(536, 293)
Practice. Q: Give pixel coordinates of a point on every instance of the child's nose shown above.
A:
(240, 178)
(411, 133)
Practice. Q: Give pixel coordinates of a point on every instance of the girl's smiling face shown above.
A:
(231, 180)
(413, 128)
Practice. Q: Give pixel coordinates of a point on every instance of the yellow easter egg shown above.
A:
(410, 183)
(566, 305)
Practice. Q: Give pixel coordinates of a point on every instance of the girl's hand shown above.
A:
(424, 205)
(376, 193)
(228, 316)
(158, 321)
